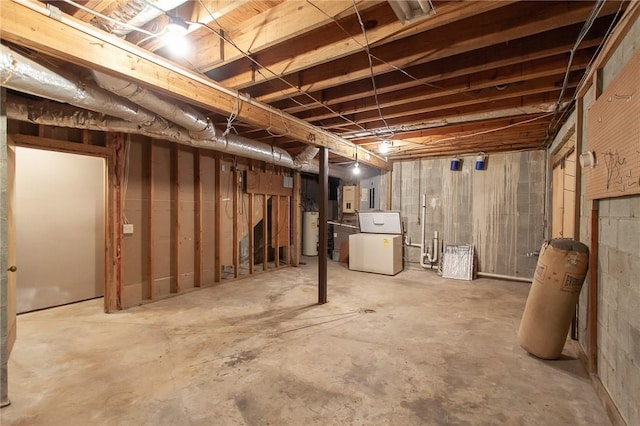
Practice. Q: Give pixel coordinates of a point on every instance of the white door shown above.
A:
(60, 227)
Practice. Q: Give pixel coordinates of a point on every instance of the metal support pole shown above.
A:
(323, 179)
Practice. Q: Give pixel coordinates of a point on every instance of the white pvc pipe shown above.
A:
(504, 277)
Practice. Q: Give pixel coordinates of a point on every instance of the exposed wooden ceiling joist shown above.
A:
(103, 52)
(474, 76)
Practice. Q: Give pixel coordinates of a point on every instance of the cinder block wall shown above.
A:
(618, 322)
(500, 209)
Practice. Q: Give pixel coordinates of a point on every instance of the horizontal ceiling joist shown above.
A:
(27, 24)
(429, 46)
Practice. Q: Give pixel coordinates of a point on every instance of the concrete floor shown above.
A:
(414, 349)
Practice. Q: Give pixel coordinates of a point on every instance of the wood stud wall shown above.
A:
(175, 202)
(222, 214)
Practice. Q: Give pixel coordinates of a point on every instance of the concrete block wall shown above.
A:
(618, 319)
(618, 302)
(500, 209)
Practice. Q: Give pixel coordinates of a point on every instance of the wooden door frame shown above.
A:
(113, 155)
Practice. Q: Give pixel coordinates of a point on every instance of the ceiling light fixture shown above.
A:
(385, 145)
(174, 35)
(356, 165)
(409, 11)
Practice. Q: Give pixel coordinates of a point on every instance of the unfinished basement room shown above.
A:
(319, 212)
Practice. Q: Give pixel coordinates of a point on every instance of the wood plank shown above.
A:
(265, 236)
(150, 219)
(479, 85)
(113, 253)
(296, 222)
(198, 217)
(380, 34)
(458, 100)
(541, 100)
(629, 18)
(614, 136)
(531, 48)
(38, 142)
(423, 48)
(252, 166)
(218, 219)
(175, 228)
(287, 247)
(275, 232)
(78, 43)
(278, 24)
(592, 295)
(236, 246)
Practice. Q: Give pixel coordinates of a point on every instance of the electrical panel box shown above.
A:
(349, 199)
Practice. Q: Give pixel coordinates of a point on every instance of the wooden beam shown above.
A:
(265, 235)
(323, 195)
(532, 49)
(448, 130)
(522, 21)
(198, 217)
(388, 31)
(631, 15)
(176, 244)
(81, 44)
(459, 100)
(234, 196)
(592, 295)
(296, 218)
(113, 252)
(217, 239)
(150, 227)
(38, 142)
(252, 166)
(539, 99)
(279, 23)
(275, 232)
(287, 247)
(479, 86)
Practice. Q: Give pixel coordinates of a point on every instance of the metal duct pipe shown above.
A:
(199, 126)
(50, 113)
(305, 156)
(25, 75)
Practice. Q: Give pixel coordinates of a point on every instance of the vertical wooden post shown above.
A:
(198, 218)
(113, 252)
(217, 247)
(592, 295)
(236, 251)
(150, 272)
(275, 233)
(265, 235)
(287, 247)
(296, 231)
(175, 234)
(251, 240)
(323, 180)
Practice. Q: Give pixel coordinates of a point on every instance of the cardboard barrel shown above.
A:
(562, 266)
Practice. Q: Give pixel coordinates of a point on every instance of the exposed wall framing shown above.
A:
(195, 223)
